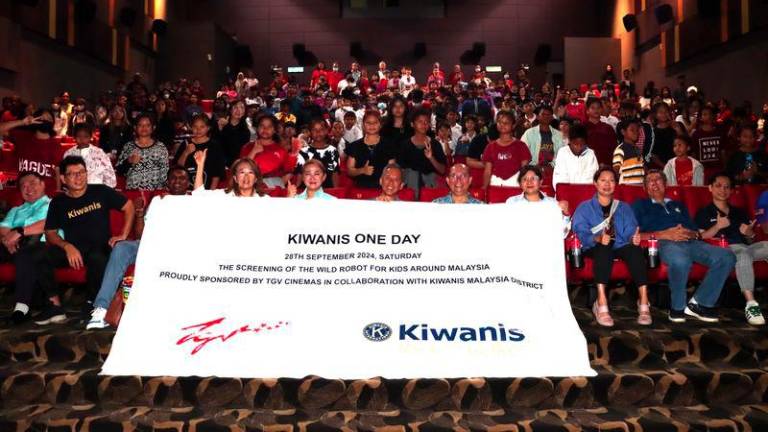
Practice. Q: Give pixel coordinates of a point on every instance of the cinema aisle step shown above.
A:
(87, 418)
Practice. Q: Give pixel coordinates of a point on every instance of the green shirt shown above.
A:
(27, 214)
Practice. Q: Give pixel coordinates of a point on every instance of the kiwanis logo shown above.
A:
(377, 332)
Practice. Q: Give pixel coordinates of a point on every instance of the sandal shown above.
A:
(602, 316)
(644, 314)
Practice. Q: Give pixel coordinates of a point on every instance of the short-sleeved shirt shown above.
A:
(377, 155)
(653, 216)
(40, 156)
(706, 217)
(684, 171)
(27, 214)
(628, 158)
(707, 147)
(329, 156)
(448, 199)
(507, 160)
(412, 156)
(85, 219)
(215, 165)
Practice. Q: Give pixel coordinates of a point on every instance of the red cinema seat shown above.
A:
(276, 192)
(338, 192)
(740, 199)
(751, 195)
(500, 194)
(431, 194)
(575, 194)
(477, 177)
(696, 197)
(406, 194)
(629, 194)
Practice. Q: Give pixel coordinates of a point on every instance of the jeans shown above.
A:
(679, 258)
(746, 255)
(122, 256)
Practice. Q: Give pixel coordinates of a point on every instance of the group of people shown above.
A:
(386, 131)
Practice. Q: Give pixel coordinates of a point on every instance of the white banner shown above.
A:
(348, 289)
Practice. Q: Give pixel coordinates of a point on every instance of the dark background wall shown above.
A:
(511, 29)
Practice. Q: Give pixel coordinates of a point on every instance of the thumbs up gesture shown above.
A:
(636, 237)
(722, 221)
(367, 168)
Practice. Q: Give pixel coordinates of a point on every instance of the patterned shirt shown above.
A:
(629, 160)
(97, 164)
(150, 172)
(448, 199)
(329, 156)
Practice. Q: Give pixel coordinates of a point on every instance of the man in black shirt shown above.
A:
(721, 221)
(82, 213)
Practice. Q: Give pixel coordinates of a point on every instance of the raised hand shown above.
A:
(722, 221)
(134, 158)
(367, 168)
(291, 190)
(636, 237)
(200, 157)
(428, 150)
(748, 229)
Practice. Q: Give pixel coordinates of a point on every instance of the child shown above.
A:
(444, 136)
(352, 131)
(469, 132)
(320, 149)
(285, 115)
(748, 164)
(683, 170)
(97, 163)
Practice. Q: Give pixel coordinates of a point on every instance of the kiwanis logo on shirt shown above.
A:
(378, 332)
(83, 210)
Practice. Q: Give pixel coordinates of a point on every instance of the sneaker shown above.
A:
(51, 315)
(701, 313)
(676, 316)
(754, 314)
(19, 317)
(97, 319)
(644, 314)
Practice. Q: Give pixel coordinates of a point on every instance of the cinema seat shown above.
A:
(406, 194)
(431, 194)
(500, 194)
(575, 194)
(696, 197)
(276, 192)
(338, 192)
(630, 194)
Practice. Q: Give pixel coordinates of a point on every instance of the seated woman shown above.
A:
(246, 178)
(607, 229)
(313, 176)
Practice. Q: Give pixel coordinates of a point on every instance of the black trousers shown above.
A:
(25, 260)
(95, 261)
(603, 256)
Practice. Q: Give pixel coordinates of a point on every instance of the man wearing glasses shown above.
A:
(458, 183)
(82, 213)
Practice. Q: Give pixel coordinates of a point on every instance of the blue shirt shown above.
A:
(27, 214)
(653, 216)
(319, 194)
(448, 199)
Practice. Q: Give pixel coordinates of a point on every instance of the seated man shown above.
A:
(530, 179)
(391, 182)
(21, 232)
(680, 246)
(458, 183)
(82, 213)
(124, 253)
(719, 219)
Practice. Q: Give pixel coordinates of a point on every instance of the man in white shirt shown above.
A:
(575, 163)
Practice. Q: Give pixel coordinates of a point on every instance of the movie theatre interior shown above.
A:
(383, 215)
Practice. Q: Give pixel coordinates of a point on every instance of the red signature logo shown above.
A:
(204, 333)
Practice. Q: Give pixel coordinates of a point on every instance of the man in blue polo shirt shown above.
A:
(680, 246)
(23, 243)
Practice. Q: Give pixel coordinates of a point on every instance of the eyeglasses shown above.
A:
(458, 176)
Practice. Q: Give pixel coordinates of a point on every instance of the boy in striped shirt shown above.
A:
(628, 157)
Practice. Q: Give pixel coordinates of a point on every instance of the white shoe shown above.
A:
(754, 315)
(97, 319)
